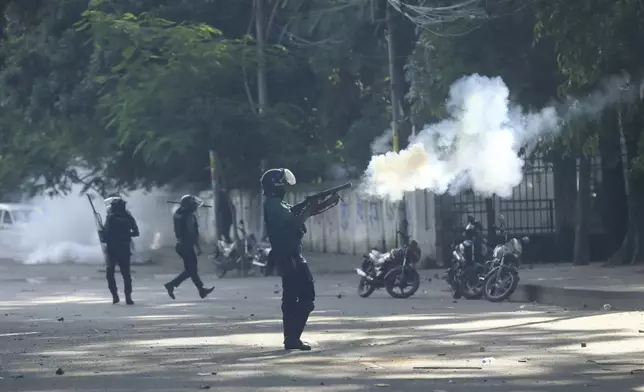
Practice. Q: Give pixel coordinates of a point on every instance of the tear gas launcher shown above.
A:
(321, 201)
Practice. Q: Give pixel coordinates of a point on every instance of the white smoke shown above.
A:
(382, 143)
(64, 230)
(477, 146)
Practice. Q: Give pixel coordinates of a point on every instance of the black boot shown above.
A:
(292, 333)
(203, 293)
(115, 299)
(128, 299)
(296, 345)
(170, 289)
(299, 322)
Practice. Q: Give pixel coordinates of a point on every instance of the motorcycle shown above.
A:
(391, 270)
(235, 255)
(465, 277)
(503, 277)
(260, 258)
(465, 274)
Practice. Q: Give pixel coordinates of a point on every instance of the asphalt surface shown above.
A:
(231, 341)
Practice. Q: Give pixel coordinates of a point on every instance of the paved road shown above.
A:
(232, 342)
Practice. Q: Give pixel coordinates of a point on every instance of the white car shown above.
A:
(15, 215)
(14, 218)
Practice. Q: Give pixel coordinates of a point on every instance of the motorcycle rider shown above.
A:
(285, 231)
(186, 229)
(474, 233)
(119, 229)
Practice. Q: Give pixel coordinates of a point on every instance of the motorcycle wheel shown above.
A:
(411, 277)
(221, 268)
(451, 279)
(510, 279)
(365, 288)
(472, 288)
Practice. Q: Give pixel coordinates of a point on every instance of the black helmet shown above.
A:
(115, 203)
(190, 202)
(274, 180)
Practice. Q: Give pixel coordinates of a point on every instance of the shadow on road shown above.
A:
(232, 343)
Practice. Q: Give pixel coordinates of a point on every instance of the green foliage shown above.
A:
(140, 91)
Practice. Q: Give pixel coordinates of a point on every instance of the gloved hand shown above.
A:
(325, 204)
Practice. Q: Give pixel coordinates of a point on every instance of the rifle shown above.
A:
(177, 202)
(99, 226)
(325, 200)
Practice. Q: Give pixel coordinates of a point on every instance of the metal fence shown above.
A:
(531, 208)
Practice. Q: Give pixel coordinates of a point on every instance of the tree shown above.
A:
(594, 39)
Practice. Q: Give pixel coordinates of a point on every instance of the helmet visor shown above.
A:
(289, 177)
(108, 202)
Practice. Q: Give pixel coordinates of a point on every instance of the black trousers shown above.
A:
(120, 256)
(189, 257)
(298, 296)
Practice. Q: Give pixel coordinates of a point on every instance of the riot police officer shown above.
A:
(186, 229)
(285, 231)
(119, 229)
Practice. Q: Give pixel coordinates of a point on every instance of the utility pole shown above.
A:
(262, 93)
(213, 183)
(395, 119)
(262, 90)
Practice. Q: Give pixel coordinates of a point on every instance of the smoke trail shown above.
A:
(477, 146)
(65, 230)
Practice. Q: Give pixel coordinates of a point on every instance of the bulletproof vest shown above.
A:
(186, 228)
(120, 227)
(283, 239)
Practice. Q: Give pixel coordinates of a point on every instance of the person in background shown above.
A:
(186, 230)
(119, 229)
(225, 217)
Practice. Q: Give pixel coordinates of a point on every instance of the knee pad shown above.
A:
(289, 306)
(305, 306)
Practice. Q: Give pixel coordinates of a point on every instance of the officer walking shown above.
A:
(120, 226)
(186, 229)
(285, 231)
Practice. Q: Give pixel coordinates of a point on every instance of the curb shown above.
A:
(579, 298)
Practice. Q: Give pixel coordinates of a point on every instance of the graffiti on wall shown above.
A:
(390, 211)
(374, 213)
(360, 211)
(345, 214)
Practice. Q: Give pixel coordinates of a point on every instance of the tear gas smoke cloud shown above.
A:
(477, 146)
(66, 231)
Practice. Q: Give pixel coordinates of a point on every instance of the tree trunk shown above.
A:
(611, 195)
(582, 244)
(565, 173)
(628, 251)
(224, 192)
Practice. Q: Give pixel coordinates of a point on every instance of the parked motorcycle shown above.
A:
(392, 270)
(465, 274)
(503, 277)
(235, 255)
(465, 278)
(260, 258)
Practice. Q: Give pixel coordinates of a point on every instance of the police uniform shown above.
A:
(285, 231)
(298, 290)
(186, 230)
(120, 226)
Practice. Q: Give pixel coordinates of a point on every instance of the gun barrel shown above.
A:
(176, 202)
(340, 187)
